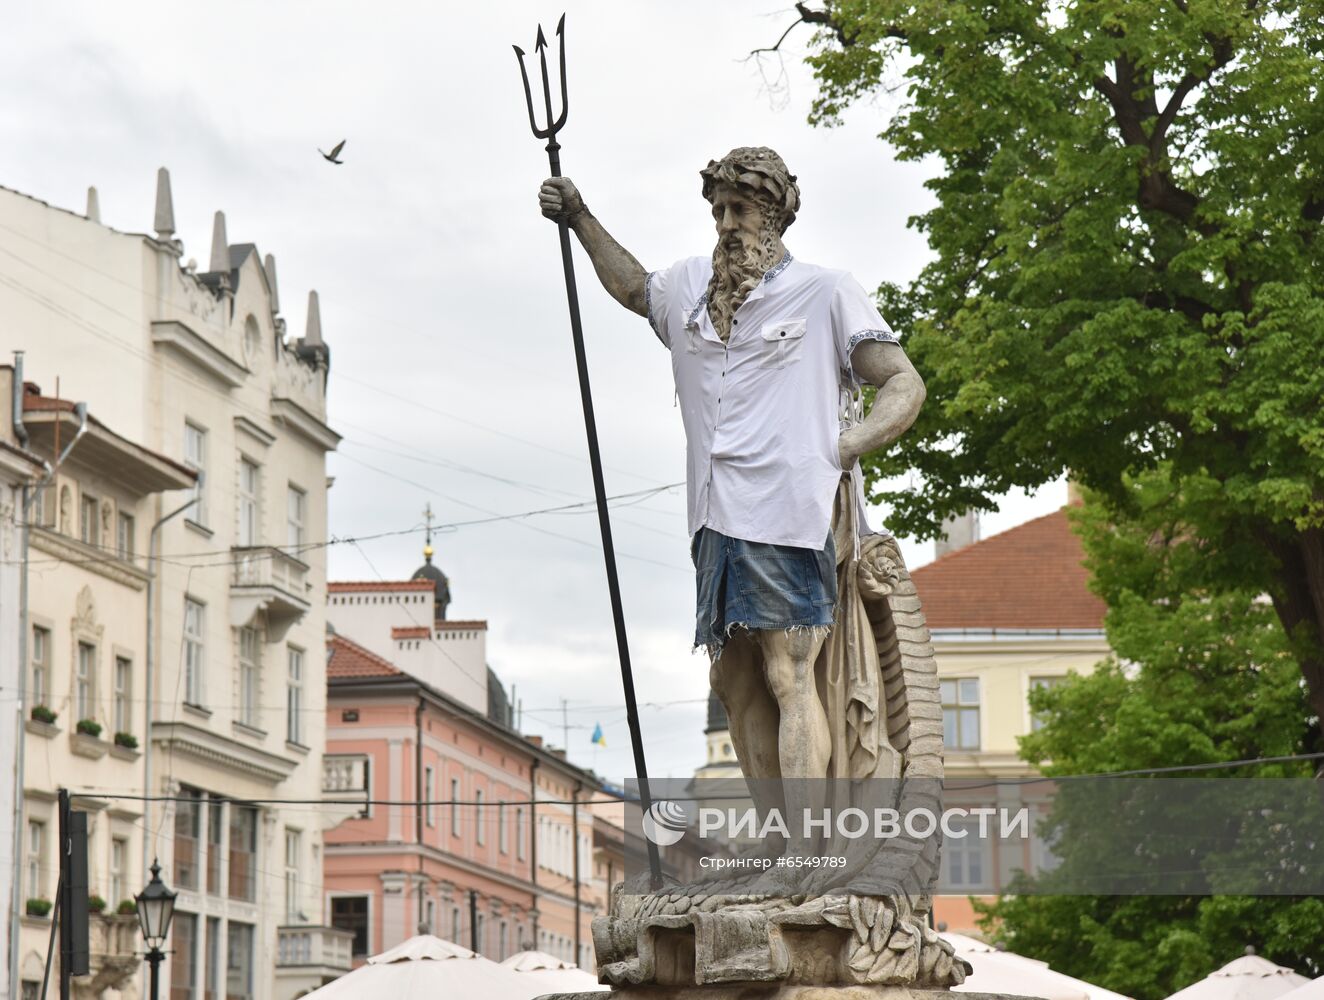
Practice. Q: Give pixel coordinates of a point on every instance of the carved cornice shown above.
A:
(299, 420)
(194, 348)
(213, 748)
(254, 430)
(88, 557)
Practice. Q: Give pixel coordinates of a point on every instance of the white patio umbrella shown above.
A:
(1313, 990)
(553, 975)
(424, 968)
(1004, 971)
(1247, 978)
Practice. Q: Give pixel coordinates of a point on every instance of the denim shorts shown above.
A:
(756, 585)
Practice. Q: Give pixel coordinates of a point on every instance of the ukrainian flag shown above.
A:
(598, 738)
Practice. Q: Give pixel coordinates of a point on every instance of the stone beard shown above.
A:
(738, 269)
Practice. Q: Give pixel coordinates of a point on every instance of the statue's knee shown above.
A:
(717, 678)
(784, 679)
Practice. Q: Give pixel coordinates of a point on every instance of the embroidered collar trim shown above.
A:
(769, 275)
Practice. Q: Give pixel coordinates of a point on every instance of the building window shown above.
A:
(429, 795)
(194, 664)
(294, 696)
(85, 681)
(350, 913)
(88, 520)
(478, 934)
(215, 843)
(41, 665)
(248, 493)
(36, 860)
(960, 713)
(519, 832)
(123, 710)
(456, 926)
(239, 963)
(296, 511)
(212, 991)
(430, 916)
(188, 823)
(455, 807)
(31, 990)
(250, 666)
(119, 851)
(124, 528)
(503, 842)
(964, 859)
(478, 817)
(45, 506)
(501, 940)
(1036, 720)
(195, 457)
(293, 848)
(243, 852)
(1043, 856)
(184, 957)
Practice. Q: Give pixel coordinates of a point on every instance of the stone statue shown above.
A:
(816, 640)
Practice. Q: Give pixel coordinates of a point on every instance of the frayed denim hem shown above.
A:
(714, 649)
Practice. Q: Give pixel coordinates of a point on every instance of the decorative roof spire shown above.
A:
(220, 247)
(312, 336)
(93, 205)
(270, 267)
(165, 207)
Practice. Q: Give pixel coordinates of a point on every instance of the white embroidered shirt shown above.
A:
(763, 411)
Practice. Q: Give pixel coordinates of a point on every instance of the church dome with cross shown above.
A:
(430, 572)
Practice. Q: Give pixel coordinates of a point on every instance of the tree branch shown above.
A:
(824, 17)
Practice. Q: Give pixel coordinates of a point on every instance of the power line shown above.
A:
(177, 559)
(614, 800)
(518, 518)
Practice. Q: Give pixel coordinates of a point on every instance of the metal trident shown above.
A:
(555, 125)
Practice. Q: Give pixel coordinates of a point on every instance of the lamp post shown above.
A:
(156, 907)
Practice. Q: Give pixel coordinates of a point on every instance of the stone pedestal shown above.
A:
(767, 991)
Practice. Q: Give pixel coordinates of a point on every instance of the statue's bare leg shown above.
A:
(804, 742)
(737, 677)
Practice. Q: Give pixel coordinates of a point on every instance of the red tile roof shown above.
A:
(366, 586)
(349, 659)
(451, 623)
(1030, 576)
(420, 632)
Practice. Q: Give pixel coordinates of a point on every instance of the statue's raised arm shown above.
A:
(622, 275)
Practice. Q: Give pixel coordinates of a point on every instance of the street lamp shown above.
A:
(156, 906)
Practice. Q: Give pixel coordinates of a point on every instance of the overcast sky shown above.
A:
(452, 376)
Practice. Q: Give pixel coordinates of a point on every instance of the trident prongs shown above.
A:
(553, 125)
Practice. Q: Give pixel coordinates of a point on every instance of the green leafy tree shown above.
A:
(1127, 273)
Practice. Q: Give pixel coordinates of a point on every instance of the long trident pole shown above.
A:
(590, 425)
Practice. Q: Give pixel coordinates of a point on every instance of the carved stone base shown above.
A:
(764, 991)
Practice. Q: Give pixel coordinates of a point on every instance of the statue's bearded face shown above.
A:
(748, 244)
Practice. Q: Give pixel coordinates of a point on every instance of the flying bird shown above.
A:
(332, 156)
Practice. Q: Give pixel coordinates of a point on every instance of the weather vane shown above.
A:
(554, 125)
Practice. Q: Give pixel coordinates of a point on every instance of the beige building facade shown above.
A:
(227, 704)
(1007, 614)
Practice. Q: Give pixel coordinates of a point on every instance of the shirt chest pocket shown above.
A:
(782, 342)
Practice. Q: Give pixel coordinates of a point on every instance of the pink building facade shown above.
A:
(470, 871)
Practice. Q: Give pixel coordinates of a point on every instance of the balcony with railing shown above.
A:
(271, 580)
(345, 778)
(313, 954)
